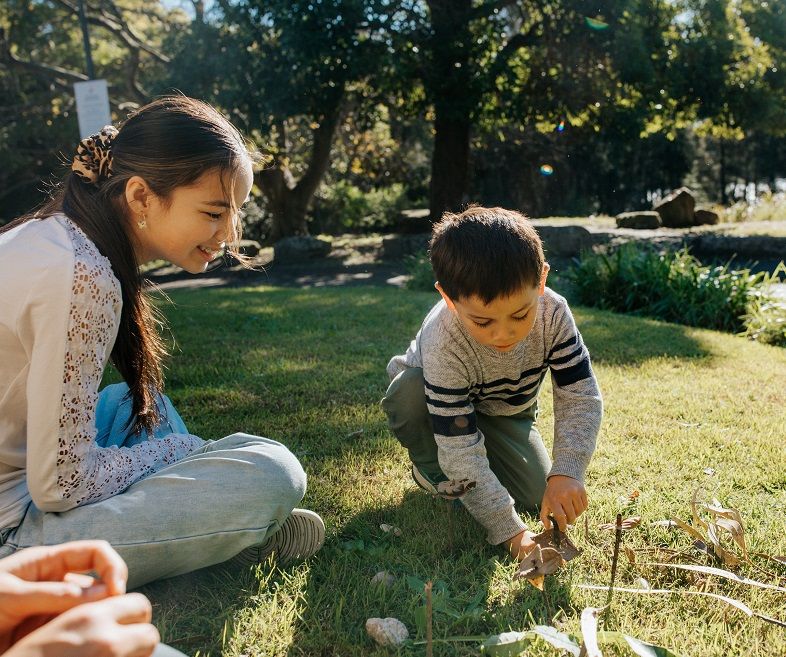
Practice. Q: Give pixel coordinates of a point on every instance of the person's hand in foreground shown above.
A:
(565, 499)
(49, 607)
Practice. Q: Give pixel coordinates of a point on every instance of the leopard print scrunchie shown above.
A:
(93, 159)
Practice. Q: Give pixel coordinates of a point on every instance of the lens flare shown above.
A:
(561, 126)
(596, 23)
(546, 169)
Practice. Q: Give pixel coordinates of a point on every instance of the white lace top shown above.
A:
(60, 307)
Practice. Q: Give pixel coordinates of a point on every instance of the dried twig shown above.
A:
(614, 559)
(429, 636)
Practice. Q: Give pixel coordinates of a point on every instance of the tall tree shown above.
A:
(288, 70)
(732, 49)
(41, 56)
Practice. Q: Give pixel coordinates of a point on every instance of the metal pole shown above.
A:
(91, 72)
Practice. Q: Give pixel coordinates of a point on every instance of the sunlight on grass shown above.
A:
(684, 408)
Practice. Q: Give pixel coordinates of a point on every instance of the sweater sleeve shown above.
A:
(578, 407)
(70, 322)
(460, 445)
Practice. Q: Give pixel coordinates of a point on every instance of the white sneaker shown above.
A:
(300, 537)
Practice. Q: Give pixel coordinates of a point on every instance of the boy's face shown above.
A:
(503, 322)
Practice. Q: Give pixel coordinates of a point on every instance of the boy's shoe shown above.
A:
(300, 537)
(424, 482)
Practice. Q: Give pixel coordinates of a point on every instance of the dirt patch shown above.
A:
(366, 260)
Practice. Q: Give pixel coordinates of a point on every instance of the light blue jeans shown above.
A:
(222, 498)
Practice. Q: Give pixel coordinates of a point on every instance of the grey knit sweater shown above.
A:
(463, 376)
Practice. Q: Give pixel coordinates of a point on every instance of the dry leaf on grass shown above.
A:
(726, 574)
(558, 540)
(552, 550)
(628, 523)
(455, 488)
(589, 632)
(729, 601)
(539, 563)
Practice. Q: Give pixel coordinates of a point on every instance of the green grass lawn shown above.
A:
(685, 408)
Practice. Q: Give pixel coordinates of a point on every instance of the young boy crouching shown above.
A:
(463, 398)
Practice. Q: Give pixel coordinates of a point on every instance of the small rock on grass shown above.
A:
(384, 578)
(387, 631)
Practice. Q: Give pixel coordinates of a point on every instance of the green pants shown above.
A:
(514, 447)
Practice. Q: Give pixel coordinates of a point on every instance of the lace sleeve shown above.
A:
(85, 472)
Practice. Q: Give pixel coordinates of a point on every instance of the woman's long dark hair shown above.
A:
(169, 143)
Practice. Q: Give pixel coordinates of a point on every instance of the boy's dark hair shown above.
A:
(485, 252)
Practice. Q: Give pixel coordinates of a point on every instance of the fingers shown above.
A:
(126, 609)
(51, 598)
(51, 563)
(118, 626)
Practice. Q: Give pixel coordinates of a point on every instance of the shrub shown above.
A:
(769, 207)
(676, 287)
(342, 208)
(765, 320)
(421, 275)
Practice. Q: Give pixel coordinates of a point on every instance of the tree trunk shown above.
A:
(289, 200)
(450, 87)
(449, 165)
(724, 199)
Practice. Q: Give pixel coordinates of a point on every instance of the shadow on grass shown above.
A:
(615, 339)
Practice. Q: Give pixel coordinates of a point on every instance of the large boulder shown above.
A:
(395, 247)
(646, 219)
(705, 217)
(247, 248)
(300, 248)
(564, 241)
(413, 221)
(677, 209)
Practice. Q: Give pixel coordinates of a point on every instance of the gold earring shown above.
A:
(142, 222)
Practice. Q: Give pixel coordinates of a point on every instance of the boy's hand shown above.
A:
(521, 544)
(565, 499)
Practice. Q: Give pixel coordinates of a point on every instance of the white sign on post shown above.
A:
(92, 106)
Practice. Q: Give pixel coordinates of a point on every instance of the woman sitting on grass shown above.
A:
(120, 465)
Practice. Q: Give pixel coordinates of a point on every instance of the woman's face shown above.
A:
(189, 230)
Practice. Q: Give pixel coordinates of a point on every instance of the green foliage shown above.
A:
(769, 207)
(676, 287)
(421, 275)
(342, 207)
(765, 319)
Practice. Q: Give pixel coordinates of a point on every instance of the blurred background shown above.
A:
(368, 108)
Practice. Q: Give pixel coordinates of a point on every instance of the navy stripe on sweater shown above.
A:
(568, 375)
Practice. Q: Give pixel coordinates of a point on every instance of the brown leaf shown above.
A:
(628, 523)
(539, 563)
(455, 488)
(693, 504)
(549, 539)
(629, 553)
(721, 552)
